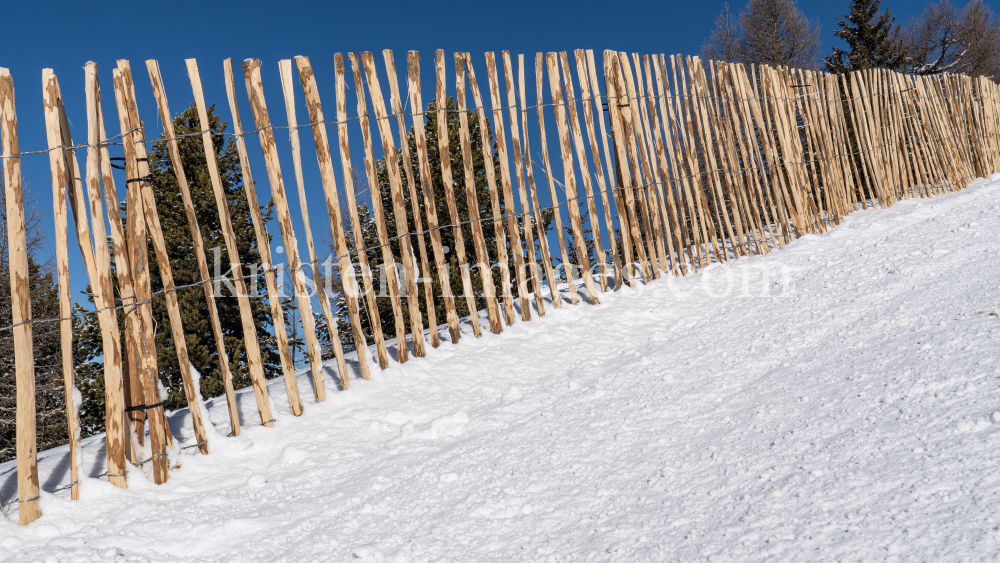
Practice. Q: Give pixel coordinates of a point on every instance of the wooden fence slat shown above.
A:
(491, 181)
(60, 178)
(762, 116)
(398, 206)
(748, 110)
(681, 182)
(250, 337)
(471, 197)
(704, 128)
(743, 172)
(526, 215)
(258, 106)
(543, 242)
(263, 247)
(20, 305)
(113, 383)
(479, 244)
(430, 204)
(687, 131)
(391, 278)
(153, 68)
(347, 274)
(138, 259)
(849, 168)
(500, 134)
(727, 182)
(789, 139)
(687, 169)
(288, 89)
(132, 388)
(862, 128)
(411, 185)
(735, 180)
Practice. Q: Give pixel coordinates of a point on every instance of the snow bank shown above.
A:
(832, 400)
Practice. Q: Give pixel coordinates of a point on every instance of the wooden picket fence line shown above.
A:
(696, 163)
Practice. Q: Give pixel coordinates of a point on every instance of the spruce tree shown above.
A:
(873, 40)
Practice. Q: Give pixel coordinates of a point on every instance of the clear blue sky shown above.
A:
(65, 35)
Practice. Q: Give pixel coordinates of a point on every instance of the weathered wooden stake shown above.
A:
(20, 305)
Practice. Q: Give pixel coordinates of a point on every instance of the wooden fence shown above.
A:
(667, 165)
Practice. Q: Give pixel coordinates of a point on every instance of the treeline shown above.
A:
(944, 38)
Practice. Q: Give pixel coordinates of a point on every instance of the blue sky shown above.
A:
(65, 35)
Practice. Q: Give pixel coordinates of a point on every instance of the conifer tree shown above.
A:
(873, 40)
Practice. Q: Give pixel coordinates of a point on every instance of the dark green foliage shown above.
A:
(873, 40)
(88, 358)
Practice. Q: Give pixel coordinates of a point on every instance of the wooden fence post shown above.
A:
(581, 155)
(632, 238)
(60, 173)
(352, 205)
(114, 386)
(521, 187)
(543, 242)
(20, 305)
(550, 178)
(499, 132)
(587, 77)
(132, 358)
(378, 213)
(569, 175)
(153, 227)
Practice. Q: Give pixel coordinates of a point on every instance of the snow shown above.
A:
(837, 399)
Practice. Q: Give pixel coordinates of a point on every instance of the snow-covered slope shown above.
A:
(846, 407)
